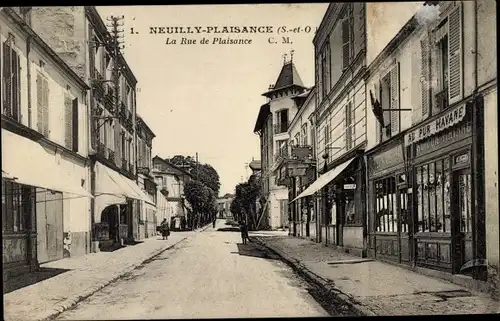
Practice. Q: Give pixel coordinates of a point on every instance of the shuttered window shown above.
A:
(349, 126)
(394, 96)
(11, 91)
(425, 75)
(68, 122)
(42, 104)
(455, 79)
(74, 121)
(346, 43)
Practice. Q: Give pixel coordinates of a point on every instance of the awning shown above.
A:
(26, 162)
(323, 180)
(110, 182)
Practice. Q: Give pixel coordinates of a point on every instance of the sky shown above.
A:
(204, 98)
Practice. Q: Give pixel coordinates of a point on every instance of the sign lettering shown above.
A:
(386, 159)
(447, 120)
(441, 141)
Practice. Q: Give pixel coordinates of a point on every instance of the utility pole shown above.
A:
(116, 43)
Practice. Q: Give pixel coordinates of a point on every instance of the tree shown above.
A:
(244, 205)
(202, 172)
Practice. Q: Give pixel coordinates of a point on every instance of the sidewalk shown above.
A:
(371, 287)
(81, 277)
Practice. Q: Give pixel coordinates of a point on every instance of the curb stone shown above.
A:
(74, 300)
(326, 284)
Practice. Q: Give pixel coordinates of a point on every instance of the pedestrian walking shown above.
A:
(165, 229)
(213, 223)
(244, 231)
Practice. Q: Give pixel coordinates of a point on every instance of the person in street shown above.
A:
(165, 229)
(213, 223)
(244, 231)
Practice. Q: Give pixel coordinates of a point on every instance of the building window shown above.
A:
(441, 65)
(350, 200)
(389, 100)
(11, 90)
(17, 205)
(386, 211)
(282, 124)
(71, 123)
(42, 102)
(304, 134)
(346, 42)
(325, 69)
(433, 197)
(349, 126)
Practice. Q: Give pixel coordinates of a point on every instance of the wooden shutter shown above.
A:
(39, 102)
(15, 85)
(45, 106)
(348, 123)
(68, 121)
(345, 43)
(7, 74)
(395, 99)
(74, 125)
(425, 75)
(455, 79)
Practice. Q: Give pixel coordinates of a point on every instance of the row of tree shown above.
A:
(201, 191)
(248, 204)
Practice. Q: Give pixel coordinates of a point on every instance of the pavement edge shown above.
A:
(326, 284)
(72, 301)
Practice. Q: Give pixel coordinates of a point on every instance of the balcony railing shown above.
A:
(124, 164)
(442, 99)
(98, 82)
(281, 127)
(111, 155)
(101, 149)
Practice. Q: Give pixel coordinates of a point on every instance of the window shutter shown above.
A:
(45, 106)
(7, 72)
(15, 85)
(455, 80)
(39, 102)
(424, 75)
(74, 125)
(68, 119)
(395, 99)
(345, 43)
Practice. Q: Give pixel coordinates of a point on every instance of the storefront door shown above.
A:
(462, 220)
(49, 225)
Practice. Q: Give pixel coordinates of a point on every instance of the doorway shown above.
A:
(49, 225)
(462, 217)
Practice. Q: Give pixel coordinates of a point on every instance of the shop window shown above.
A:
(17, 202)
(386, 204)
(433, 197)
(464, 200)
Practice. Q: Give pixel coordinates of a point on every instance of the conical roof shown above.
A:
(288, 77)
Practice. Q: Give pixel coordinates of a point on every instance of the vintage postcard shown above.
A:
(249, 160)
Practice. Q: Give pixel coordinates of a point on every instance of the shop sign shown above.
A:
(443, 122)
(441, 141)
(461, 159)
(349, 186)
(387, 159)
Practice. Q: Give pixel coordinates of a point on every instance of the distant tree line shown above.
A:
(201, 191)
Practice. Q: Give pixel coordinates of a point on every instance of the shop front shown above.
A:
(34, 204)
(341, 192)
(388, 222)
(447, 225)
(114, 200)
